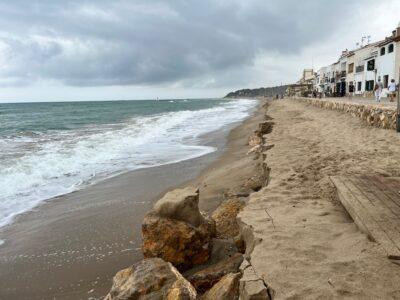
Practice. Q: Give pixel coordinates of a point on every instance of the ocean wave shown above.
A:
(35, 167)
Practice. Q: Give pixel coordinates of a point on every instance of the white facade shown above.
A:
(385, 61)
(363, 67)
(361, 56)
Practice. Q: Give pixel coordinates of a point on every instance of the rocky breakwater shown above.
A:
(176, 237)
(373, 115)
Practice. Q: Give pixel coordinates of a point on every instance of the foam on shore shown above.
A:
(43, 166)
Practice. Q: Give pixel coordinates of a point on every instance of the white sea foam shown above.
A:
(40, 167)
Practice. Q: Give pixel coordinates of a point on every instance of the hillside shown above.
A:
(266, 92)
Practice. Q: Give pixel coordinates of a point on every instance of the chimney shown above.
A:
(398, 30)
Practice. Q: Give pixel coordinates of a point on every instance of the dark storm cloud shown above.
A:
(94, 43)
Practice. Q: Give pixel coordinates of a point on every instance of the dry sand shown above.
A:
(312, 249)
(72, 246)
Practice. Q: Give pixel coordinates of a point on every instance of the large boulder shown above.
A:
(225, 289)
(176, 231)
(206, 278)
(176, 241)
(180, 204)
(225, 217)
(151, 279)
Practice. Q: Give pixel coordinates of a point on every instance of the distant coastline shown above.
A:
(258, 92)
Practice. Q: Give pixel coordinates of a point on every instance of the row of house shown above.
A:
(360, 67)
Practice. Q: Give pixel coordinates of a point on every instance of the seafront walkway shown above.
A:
(361, 100)
(303, 244)
(382, 114)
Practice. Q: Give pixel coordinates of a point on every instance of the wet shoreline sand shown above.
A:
(71, 247)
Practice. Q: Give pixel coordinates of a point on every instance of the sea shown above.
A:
(50, 149)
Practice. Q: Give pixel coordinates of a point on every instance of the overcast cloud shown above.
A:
(126, 49)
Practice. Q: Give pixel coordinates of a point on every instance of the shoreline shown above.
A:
(40, 234)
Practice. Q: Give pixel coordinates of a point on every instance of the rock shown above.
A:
(225, 289)
(206, 278)
(176, 241)
(151, 279)
(180, 204)
(225, 217)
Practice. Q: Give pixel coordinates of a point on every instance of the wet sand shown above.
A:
(71, 247)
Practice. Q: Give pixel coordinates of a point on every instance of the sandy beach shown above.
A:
(306, 246)
(72, 246)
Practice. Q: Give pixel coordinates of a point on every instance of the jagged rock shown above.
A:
(225, 217)
(176, 241)
(225, 289)
(206, 278)
(151, 278)
(180, 204)
(176, 231)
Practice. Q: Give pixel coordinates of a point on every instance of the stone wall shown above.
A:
(373, 115)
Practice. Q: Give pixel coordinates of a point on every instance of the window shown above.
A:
(359, 69)
(383, 50)
(369, 85)
(385, 81)
(351, 68)
(390, 48)
(371, 65)
(359, 86)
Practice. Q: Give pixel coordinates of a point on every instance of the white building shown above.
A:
(362, 67)
(385, 62)
(361, 56)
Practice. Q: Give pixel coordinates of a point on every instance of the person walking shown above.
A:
(378, 90)
(392, 90)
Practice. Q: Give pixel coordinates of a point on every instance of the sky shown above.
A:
(61, 50)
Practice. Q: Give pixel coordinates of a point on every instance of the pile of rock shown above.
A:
(176, 237)
(373, 115)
